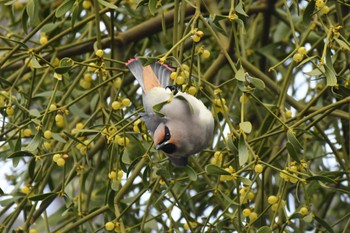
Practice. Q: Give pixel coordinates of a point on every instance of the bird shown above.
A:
(180, 124)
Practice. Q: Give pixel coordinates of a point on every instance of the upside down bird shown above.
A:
(179, 123)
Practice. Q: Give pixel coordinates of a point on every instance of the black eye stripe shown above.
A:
(169, 148)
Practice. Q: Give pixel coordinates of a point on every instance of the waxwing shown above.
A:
(179, 123)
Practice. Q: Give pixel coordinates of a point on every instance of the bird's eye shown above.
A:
(168, 148)
(172, 88)
(167, 134)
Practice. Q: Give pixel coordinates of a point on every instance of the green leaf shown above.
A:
(258, 83)
(107, 4)
(75, 14)
(329, 70)
(49, 93)
(58, 138)
(164, 173)
(342, 44)
(264, 229)
(322, 179)
(49, 27)
(24, 20)
(246, 126)
(34, 112)
(32, 9)
(323, 223)
(215, 170)
(293, 140)
(35, 63)
(152, 6)
(34, 143)
(65, 65)
(228, 199)
(316, 72)
(308, 218)
(14, 41)
(42, 196)
(31, 168)
(245, 180)
(20, 154)
(292, 152)
(242, 150)
(158, 107)
(214, 23)
(308, 13)
(64, 8)
(240, 74)
(191, 173)
(239, 9)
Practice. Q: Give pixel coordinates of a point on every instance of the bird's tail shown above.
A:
(154, 75)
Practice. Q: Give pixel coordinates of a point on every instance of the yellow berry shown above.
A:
(47, 145)
(274, 207)
(43, 40)
(48, 134)
(109, 226)
(85, 84)
(59, 118)
(33, 231)
(56, 157)
(246, 212)
(319, 3)
(250, 195)
(205, 54)
(288, 114)
(79, 125)
(325, 10)
(185, 67)
(293, 168)
(253, 216)
(126, 102)
(244, 98)
(173, 75)
(304, 211)
(86, 4)
(25, 189)
(302, 50)
(192, 90)
(112, 175)
(10, 111)
(259, 168)
(180, 80)
(92, 67)
(118, 83)
(297, 57)
(99, 53)
(60, 162)
(116, 105)
(27, 132)
(87, 77)
(52, 107)
(120, 174)
(60, 124)
(196, 38)
(199, 33)
(186, 74)
(121, 141)
(272, 199)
